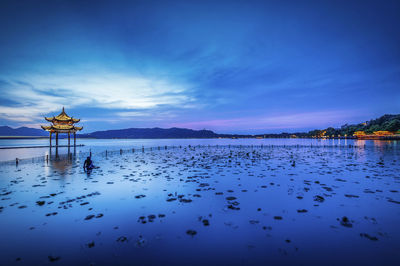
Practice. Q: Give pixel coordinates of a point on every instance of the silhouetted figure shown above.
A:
(88, 164)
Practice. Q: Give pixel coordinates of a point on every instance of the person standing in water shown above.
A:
(88, 164)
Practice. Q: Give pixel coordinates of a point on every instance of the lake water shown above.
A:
(288, 202)
(100, 145)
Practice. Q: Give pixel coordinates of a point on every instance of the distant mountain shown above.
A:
(22, 131)
(386, 122)
(151, 133)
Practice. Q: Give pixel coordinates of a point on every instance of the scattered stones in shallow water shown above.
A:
(140, 242)
(319, 198)
(90, 216)
(393, 201)
(191, 232)
(51, 214)
(351, 196)
(171, 199)
(122, 239)
(185, 200)
(206, 222)
(140, 196)
(53, 259)
(345, 222)
(372, 238)
(233, 207)
(258, 206)
(40, 203)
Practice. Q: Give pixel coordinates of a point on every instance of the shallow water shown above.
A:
(206, 205)
(100, 145)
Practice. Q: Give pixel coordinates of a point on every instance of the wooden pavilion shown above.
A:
(62, 123)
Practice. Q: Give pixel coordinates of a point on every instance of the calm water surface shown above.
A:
(100, 145)
(325, 204)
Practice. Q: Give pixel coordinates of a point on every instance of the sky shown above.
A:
(228, 66)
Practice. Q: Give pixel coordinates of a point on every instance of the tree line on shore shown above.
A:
(389, 123)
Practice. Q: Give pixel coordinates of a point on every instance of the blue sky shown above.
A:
(228, 66)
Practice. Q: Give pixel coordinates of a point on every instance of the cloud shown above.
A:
(42, 94)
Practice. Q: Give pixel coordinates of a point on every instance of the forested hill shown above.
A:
(386, 122)
(152, 133)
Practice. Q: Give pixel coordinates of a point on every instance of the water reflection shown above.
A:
(61, 163)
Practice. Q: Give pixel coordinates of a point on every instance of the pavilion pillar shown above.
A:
(74, 139)
(68, 139)
(50, 138)
(57, 139)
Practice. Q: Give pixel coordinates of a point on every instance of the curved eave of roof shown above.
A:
(53, 119)
(64, 127)
(46, 127)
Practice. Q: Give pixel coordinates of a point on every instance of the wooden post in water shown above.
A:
(74, 139)
(50, 138)
(56, 139)
(68, 140)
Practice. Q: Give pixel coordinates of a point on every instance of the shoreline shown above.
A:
(42, 146)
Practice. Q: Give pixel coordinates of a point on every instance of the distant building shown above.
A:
(62, 123)
(359, 134)
(383, 133)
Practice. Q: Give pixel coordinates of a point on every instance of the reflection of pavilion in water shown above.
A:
(62, 163)
(55, 154)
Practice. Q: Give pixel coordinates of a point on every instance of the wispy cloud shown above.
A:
(41, 94)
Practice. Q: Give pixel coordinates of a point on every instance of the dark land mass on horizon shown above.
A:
(385, 123)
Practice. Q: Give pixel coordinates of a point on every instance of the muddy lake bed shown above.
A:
(282, 204)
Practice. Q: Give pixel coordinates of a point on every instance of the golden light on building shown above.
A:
(62, 123)
(359, 134)
(383, 133)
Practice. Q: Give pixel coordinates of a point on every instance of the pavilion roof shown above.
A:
(62, 117)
